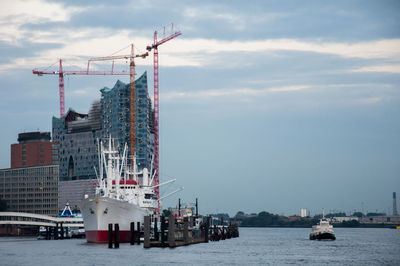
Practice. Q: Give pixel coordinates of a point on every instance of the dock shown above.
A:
(174, 232)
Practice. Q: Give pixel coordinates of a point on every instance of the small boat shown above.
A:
(322, 231)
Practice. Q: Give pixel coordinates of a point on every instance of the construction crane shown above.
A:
(132, 107)
(61, 73)
(154, 46)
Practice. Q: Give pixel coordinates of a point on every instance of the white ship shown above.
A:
(322, 231)
(123, 196)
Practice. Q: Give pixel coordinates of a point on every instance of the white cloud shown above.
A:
(373, 49)
(381, 68)
(76, 45)
(288, 88)
(34, 11)
(370, 100)
(15, 13)
(80, 92)
(239, 92)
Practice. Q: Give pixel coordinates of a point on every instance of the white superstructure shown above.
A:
(323, 230)
(123, 195)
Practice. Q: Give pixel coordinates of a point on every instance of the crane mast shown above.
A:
(154, 46)
(61, 90)
(132, 135)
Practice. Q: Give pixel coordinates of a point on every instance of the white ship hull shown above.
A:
(98, 212)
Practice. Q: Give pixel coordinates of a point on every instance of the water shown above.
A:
(255, 246)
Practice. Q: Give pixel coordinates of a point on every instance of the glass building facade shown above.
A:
(77, 134)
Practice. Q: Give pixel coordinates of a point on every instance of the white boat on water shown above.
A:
(122, 196)
(322, 231)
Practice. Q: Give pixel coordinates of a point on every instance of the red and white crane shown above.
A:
(61, 73)
(154, 46)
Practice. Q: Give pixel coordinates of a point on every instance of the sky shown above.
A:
(264, 105)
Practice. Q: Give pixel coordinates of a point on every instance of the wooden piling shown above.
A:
(138, 233)
(116, 236)
(192, 221)
(67, 230)
(179, 207)
(48, 236)
(62, 231)
(132, 234)
(186, 231)
(162, 230)
(146, 243)
(197, 208)
(216, 233)
(56, 232)
(206, 229)
(110, 235)
(171, 231)
(155, 229)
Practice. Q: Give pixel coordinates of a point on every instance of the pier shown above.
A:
(174, 232)
(56, 227)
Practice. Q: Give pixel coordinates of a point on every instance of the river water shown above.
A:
(255, 246)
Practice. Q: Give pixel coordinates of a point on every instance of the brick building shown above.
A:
(33, 149)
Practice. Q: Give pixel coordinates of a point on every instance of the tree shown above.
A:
(352, 223)
(358, 214)
(3, 205)
(375, 214)
(239, 214)
(337, 214)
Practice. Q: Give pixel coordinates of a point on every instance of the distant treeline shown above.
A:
(266, 219)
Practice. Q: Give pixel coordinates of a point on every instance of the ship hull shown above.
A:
(99, 212)
(322, 236)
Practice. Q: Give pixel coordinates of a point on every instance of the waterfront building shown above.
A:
(115, 105)
(77, 137)
(77, 134)
(30, 189)
(304, 213)
(381, 219)
(33, 149)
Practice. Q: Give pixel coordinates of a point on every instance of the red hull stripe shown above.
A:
(101, 236)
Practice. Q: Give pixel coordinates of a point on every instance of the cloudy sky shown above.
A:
(265, 105)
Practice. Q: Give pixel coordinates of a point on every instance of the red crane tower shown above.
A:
(157, 106)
